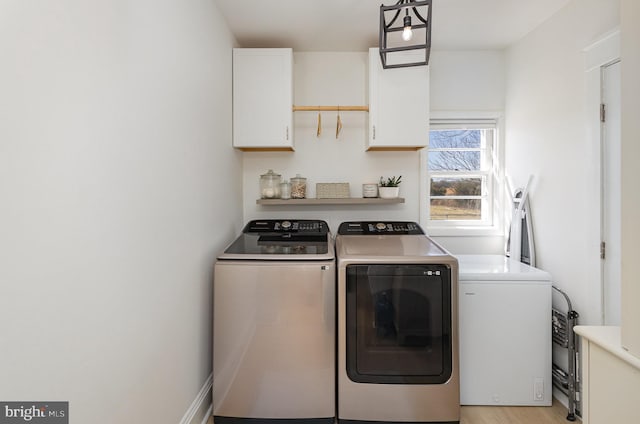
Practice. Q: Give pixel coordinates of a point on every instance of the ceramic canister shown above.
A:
(369, 190)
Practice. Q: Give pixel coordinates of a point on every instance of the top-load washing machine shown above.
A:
(397, 325)
(274, 325)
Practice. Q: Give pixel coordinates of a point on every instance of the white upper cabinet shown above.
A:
(398, 105)
(263, 99)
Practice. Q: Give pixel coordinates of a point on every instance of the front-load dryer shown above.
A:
(397, 325)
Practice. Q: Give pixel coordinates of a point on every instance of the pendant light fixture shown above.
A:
(407, 32)
(412, 33)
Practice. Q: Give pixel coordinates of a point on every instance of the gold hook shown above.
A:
(338, 124)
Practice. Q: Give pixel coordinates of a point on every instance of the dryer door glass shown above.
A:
(399, 323)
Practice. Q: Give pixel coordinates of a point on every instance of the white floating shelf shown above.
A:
(347, 201)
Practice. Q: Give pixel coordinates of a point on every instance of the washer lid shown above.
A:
(497, 268)
(282, 240)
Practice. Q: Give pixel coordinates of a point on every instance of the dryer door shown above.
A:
(399, 323)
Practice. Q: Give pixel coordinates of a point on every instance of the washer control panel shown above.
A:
(305, 226)
(379, 227)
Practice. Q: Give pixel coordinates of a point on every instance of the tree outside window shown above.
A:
(459, 171)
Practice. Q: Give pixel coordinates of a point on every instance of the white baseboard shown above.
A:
(200, 409)
(205, 420)
(561, 397)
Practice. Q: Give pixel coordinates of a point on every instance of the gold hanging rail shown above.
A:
(330, 108)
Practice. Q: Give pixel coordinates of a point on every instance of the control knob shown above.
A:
(381, 226)
(285, 225)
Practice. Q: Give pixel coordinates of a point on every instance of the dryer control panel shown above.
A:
(379, 227)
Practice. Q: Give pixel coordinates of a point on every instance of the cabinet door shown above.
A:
(262, 98)
(398, 105)
(610, 386)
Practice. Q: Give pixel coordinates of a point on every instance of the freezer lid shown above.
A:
(497, 268)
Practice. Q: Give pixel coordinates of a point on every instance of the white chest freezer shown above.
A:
(505, 332)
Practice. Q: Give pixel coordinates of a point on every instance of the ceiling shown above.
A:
(352, 25)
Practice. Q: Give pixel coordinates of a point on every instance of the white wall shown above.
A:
(630, 28)
(332, 79)
(328, 78)
(467, 80)
(546, 135)
(118, 185)
(471, 81)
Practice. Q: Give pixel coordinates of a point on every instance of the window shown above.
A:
(460, 165)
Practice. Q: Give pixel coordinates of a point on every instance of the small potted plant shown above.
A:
(389, 188)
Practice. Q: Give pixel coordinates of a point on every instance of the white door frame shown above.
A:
(610, 228)
(604, 51)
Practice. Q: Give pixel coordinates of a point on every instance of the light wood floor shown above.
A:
(556, 414)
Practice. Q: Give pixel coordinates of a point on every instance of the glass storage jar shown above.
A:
(270, 185)
(298, 187)
(285, 190)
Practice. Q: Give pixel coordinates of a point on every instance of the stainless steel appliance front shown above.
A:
(274, 326)
(397, 326)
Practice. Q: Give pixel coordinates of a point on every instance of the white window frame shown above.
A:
(494, 175)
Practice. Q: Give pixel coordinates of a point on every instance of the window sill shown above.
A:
(459, 231)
